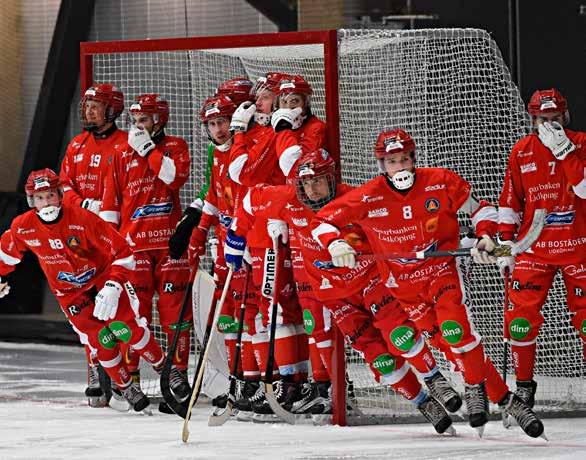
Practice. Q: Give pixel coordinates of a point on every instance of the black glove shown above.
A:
(180, 239)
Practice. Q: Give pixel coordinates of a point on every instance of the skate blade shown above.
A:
(451, 431)
(97, 401)
(146, 411)
(479, 430)
(508, 421)
(321, 419)
(266, 418)
(244, 416)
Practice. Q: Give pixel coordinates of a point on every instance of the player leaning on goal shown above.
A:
(88, 265)
(84, 168)
(547, 169)
(141, 199)
(357, 299)
(416, 209)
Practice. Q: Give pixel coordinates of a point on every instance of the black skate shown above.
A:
(285, 394)
(435, 413)
(95, 394)
(221, 400)
(441, 390)
(476, 406)
(245, 404)
(526, 390)
(179, 384)
(310, 397)
(134, 395)
(515, 407)
(249, 389)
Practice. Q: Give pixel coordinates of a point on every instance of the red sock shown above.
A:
(524, 360)
(287, 350)
(149, 349)
(421, 358)
(230, 344)
(260, 343)
(130, 356)
(114, 366)
(409, 386)
(88, 356)
(250, 368)
(471, 364)
(318, 369)
(496, 388)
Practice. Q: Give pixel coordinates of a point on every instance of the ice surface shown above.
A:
(45, 416)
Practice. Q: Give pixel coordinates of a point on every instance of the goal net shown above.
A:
(448, 87)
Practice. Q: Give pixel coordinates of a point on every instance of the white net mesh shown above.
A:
(448, 87)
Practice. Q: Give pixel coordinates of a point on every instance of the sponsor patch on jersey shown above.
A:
(431, 188)
(24, 231)
(432, 205)
(380, 212)
(78, 158)
(529, 167)
(32, 243)
(300, 222)
(132, 164)
(152, 210)
(77, 280)
(560, 218)
(370, 199)
(325, 283)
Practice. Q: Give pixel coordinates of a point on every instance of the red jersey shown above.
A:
(536, 179)
(281, 202)
(291, 144)
(141, 194)
(222, 196)
(76, 252)
(86, 162)
(424, 217)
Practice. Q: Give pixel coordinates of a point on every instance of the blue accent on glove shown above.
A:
(234, 250)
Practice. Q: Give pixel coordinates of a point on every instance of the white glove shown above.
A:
(242, 116)
(343, 255)
(107, 301)
(278, 228)
(4, 288)
(553, 136)
(92, 205)
(140, 140)
(505, 261)
(247, 257)
(482, 249)
(287, 119)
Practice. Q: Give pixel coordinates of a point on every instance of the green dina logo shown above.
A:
(384, 364)
(403, 338)
(583, 328)
(519, 328)
(308, 321)
(452, 331)
(107, 338)
(227, 325)
(121, 331)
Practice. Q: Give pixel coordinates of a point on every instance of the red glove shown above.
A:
(197, 245)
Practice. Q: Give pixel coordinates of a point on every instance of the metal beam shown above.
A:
(281, 12)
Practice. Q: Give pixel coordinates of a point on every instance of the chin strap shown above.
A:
(49, 213)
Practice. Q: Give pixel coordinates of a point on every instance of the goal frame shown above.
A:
(330, 42)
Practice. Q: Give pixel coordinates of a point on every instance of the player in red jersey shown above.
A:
(253, 160)
(141, 199)
(298, 129)
(546, 170)
(88, 265)
(83, 171)
(369, 317)
(416, 209)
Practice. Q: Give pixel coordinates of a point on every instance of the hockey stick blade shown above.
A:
(218, 419)
(283, 414)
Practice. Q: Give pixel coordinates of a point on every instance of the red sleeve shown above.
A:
(209, 215)
(511, 200)
(264, 202)
(67, 175)
(172, 169)
(112, 197)
(11, 250)
(458, 188)
(574, 164)
(290, 145)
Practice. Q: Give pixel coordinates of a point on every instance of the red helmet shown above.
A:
(40, 181)
(293, 84)
(238, 89)
(547, 101)
(153, 104)
(313, 165)
(108, 94)
(270, 82)
(215, 107)
(394, 141)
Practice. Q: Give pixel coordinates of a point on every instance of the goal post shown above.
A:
(449, 88)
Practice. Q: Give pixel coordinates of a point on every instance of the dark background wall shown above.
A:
(551, 47)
